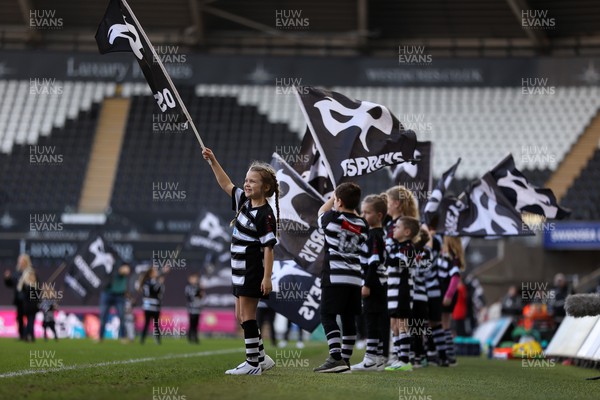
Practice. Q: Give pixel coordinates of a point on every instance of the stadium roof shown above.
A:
(345, 27)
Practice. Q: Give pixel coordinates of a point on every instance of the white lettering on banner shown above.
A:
(313, 246)
(365, 165)
(96, 70)
(86, 271)
(574, 235)
(311, 304)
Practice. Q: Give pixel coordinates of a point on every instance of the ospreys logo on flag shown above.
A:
(119, 31)
(482, 210)
(311, 166)
(296, 295)
(433, 204)
(354, 137)
(209, 233)
(523, 195)
(299, 204)
(91, 268)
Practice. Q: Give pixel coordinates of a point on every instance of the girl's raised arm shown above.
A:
(222, 178)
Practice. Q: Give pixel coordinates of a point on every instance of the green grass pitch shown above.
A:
(175, 370)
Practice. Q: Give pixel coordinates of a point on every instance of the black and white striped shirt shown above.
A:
(422, 264)
(375, 269)
(193, 295)
(399, 260)
(153, 291)
(448, 266)
(254, 229)
(345, 240)
(431, 276)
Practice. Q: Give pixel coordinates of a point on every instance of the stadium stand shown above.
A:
(582, 198)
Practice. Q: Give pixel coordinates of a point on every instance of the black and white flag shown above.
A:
(523, 195)
(482, 211)
(433, 204)
(354, 137)
(91, 268)
(120, 31)
(312, 166)
(299, 204)
(209, 233)
(296, 294)
(415, 177)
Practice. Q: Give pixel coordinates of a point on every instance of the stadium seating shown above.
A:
(583, 197)
(61, 124)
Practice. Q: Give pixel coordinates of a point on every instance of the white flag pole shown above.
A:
(162, 67)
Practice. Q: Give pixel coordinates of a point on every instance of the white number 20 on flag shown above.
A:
(165, 99)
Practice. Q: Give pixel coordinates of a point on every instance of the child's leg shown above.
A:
(156, 331)
(332, 331)
(404, 340)
(53, 329)
(247, 309)
(147, 317)
(373, 335)
(348, 335)
(449, 341)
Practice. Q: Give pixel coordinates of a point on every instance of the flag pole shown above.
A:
(162, 67)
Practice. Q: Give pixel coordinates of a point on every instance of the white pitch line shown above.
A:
(120, 362)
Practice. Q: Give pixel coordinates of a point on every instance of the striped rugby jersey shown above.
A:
(422, 264)
(448, 266)
(375, 269)
(431, 276)
(254, 229)
(345, 240)
(399, 261)
(152, 292)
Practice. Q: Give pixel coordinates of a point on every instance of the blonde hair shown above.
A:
(269, 177)
(453, 245)
(378, 202)
(408, 203)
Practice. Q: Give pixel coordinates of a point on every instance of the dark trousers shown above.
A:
(52, 326)
(29, 333)
(148, 316)
(21, 320)
(193, 329)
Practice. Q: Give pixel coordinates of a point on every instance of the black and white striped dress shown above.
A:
(254, 229)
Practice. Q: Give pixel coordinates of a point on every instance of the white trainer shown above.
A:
(367, 364)
(244, 369)
(381, 363)
(267, 364)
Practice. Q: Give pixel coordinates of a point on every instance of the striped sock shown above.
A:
(261, 349)
(334, 341)
(396, 345)
(373, 348)
(439, 340)
(348, 346)
(449, 344)
(404, 347)
(251, 339)
(380, 348)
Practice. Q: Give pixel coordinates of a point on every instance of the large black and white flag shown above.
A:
(311, 166)
(91, 268)
(120, 31)
(433, 204)
(209, 233)
(482, 210)
(296, 294)
(299, 204)
(415, 177)
(523, 195)
(354, 137)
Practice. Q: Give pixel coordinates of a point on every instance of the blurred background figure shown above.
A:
(113, 295)
(558, 295)
(194, 293)
(152, 284)
(265, 314)
(512, 304)
(47, 306)
(27, 286)
(11, 280)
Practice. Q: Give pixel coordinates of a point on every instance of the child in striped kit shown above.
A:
(400, 255)
(449, 272)
(374, 290)
(252, 242)
(341, 277)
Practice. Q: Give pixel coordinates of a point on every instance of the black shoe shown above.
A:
(333, 365)
(452, 362)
